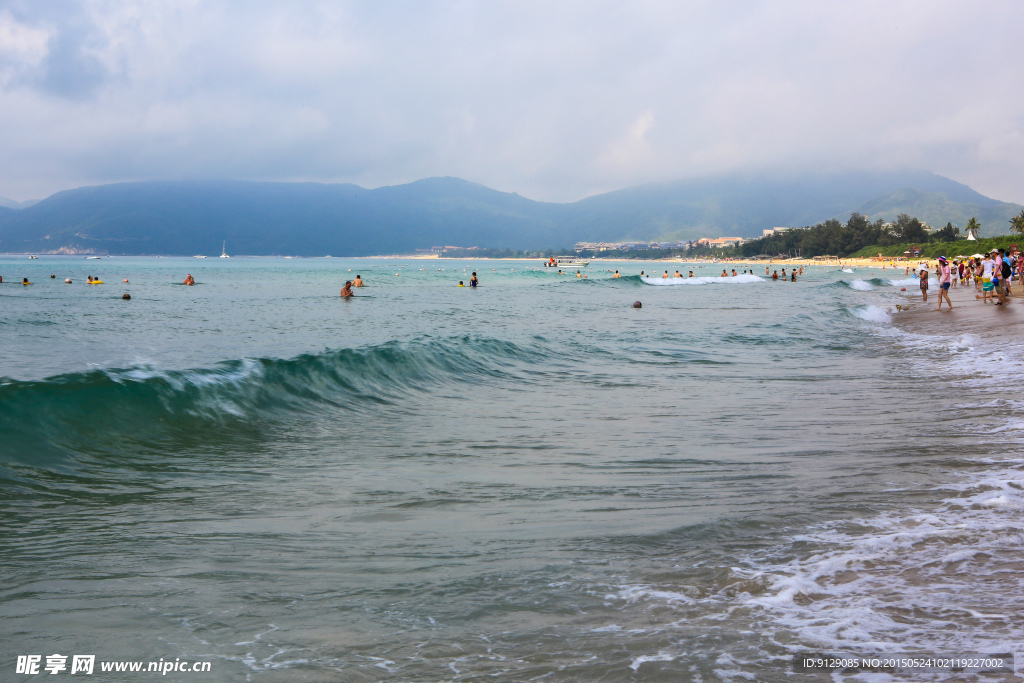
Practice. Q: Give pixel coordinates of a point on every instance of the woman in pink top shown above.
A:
(945, 280)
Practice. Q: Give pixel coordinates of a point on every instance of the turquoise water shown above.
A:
(532, 480)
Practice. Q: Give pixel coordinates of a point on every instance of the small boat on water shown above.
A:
(223, 250)
(198, 256)
(565, 262)
(33, 256)
(90, 258)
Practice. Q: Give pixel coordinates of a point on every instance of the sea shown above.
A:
(531, 480)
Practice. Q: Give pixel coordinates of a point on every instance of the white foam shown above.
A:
(872, 313)
(908, 282)
(861, 285)
(847, 270)
(745, 278)
(660, 657)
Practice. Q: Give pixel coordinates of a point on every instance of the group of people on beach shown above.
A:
(991, 273)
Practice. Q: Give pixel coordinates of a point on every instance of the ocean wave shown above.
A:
(746, 278)
(871, 313)
(950, 568)
(906, 282)
(110, 410)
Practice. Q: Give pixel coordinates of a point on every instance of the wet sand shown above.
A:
(969, 316)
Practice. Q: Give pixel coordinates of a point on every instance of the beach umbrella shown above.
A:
(978, 256)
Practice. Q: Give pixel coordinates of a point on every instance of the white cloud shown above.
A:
(553, 100)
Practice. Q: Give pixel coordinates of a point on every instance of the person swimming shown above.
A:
(358, 282)
(346, 291)
(734, 272)
(678, 274)
(665, 276)
(691, 274)
(724, 274)
(189, 280)
(616, 274)
(460, 284)
(473, 282)
(25, 281)
(775, 275)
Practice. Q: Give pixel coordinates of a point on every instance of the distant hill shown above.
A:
(310, 219)
(937, 209)
(11, 204)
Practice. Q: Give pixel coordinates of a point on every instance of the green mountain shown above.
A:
(937, 209)
(194, 217)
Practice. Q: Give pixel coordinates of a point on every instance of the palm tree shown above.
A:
(973, 226)
(1017, 223)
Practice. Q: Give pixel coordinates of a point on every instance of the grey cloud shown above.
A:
(553, 100)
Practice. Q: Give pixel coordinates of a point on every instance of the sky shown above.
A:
(555, 100)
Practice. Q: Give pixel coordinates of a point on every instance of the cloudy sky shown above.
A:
(554, 100)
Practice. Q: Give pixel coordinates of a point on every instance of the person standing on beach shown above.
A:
(945, 280)
(924, 284)
(1007, 271)
(986, 279)
(998, 278)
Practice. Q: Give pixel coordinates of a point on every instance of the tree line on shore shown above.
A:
(861, 237)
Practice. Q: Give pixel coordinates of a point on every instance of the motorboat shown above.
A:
(198, 256)
(565, 262)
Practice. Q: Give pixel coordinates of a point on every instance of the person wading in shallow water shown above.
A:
(346, 291)
(924, 284)
(945, 279)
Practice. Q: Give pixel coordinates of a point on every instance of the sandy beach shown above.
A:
(968, 316)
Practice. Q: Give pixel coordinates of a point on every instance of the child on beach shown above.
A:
(924, 284)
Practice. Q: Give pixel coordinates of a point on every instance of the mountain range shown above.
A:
(313, 219)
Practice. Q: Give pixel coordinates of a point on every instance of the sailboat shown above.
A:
(223, 250)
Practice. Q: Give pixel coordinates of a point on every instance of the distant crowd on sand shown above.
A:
(991, 273)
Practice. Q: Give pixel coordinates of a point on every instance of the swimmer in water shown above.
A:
(775, 275)
(358, 282)
(460, 284)
(189, 280)
(734, 272)
(691, 273)
(346, 291)
(616, 274)
(665, 276)
(25, 281)
(473, 282)
(792, 276)
(678, 274)
(578, 274)
(724, 274)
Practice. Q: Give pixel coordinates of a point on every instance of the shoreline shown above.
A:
(968, 315)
